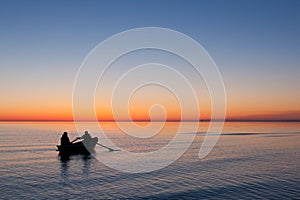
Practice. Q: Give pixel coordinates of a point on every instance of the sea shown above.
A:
(251, 160)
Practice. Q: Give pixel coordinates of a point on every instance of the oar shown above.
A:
(110, 149)
(76, 139)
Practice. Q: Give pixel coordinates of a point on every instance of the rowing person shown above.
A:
(88, 141)
(65, 140)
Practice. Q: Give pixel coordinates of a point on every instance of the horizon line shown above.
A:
(201, 120)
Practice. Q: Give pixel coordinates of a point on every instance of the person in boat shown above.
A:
(86, 136)
(88, 141)
(65, 140)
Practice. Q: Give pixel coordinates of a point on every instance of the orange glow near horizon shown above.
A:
(140, 113)
(144, 109)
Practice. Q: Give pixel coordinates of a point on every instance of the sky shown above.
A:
(255, 45)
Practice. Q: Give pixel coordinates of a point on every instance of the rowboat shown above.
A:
(77, 148)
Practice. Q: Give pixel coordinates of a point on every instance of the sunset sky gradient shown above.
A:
(255, 44)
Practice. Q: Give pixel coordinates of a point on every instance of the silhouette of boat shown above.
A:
(76, 148)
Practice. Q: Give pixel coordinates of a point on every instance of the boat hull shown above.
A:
(73, 149)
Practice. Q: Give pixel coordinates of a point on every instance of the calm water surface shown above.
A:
(252, 160)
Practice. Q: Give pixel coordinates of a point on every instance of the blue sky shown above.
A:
(255, 44)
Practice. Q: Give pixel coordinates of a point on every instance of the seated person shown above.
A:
(86, 136)
(64, 140)
(88, 141)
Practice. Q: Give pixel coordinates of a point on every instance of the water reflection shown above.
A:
(64, 158)
(64, 168)
(239, 167)
(86, 165)
(68, 160)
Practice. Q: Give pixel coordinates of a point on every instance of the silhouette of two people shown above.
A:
(87, 140)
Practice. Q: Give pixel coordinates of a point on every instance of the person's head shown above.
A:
(86, 132)
(65, 134)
